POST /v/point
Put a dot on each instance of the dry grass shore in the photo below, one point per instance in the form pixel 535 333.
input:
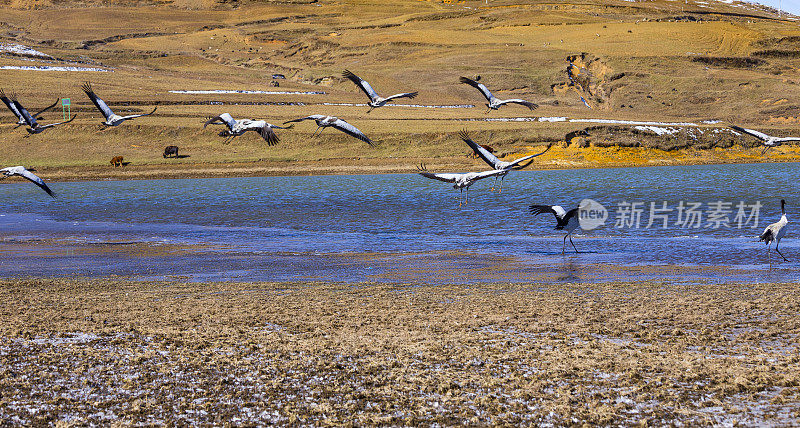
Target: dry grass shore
pixel 76 352
pixel 558 157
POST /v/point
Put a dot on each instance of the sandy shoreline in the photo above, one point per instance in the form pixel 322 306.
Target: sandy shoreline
pixel 105 351
pixel 133 261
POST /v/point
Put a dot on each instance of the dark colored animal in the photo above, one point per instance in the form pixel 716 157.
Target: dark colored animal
pixel 116 161
pixel 171 151
pixel 488 148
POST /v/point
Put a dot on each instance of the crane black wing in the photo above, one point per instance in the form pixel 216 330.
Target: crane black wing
pixel 480 86
pixel 37 181
pixel 487 157
pixel 100 104
pixel 361 83
pixel 30 120
pixel 47 108
pixel 352 131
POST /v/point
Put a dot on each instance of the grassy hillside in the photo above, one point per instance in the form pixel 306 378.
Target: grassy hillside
pixel 702 63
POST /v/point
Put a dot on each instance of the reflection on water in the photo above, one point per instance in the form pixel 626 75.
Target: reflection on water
pixel 398 227
pixel 570 271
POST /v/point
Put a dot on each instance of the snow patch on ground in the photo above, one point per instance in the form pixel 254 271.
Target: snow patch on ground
pixel 403 105
pixel 564 119
pixel 223 91
pixel 633 122
pixel 22 50
pixel 658 130
pixel 52 68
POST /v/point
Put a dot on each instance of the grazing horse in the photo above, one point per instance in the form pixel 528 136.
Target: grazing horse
pixel 116 161
pixel 171 151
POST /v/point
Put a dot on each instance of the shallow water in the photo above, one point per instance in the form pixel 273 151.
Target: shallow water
pixel 400 227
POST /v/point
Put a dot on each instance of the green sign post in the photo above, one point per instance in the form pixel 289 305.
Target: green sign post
pixel 66 114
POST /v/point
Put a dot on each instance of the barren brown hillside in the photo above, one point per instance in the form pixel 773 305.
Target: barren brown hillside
pixel 696 66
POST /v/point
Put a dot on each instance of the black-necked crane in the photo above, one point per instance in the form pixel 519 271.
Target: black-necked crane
pixel 20 119
pixel 375 100
pixel 21 171
pixel 494 102
pixel 496 163
pixel 775 232
pixel 565 220
pixel 767 140
pixel 332 121
pixel 239 127
pixel 33 126
pixel 460 181
pixel 112 119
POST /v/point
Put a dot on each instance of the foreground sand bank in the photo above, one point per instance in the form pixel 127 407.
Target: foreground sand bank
pixel 103 351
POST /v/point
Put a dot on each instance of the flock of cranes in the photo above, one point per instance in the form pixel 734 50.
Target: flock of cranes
pixel 25 118
pixel 565 220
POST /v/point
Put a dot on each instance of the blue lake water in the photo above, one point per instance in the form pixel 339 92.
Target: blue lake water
pixel 398 227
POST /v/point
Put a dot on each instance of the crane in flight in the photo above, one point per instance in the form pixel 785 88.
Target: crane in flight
pixel 767 140
pixel 112 119
pixel 494 102
pixel 336 123
pixel 33 125
pixel 496 163
pixel 20 119
pixel 26 173
pixel 461 181
pixel 375 100
pixel 239 127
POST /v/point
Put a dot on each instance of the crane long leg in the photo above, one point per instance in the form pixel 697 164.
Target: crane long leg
pixel 502 180
pixel 764 151
pixel 573 244
pixel 769 256
pixel 779 252
pixel 315 131
pixel 564 247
